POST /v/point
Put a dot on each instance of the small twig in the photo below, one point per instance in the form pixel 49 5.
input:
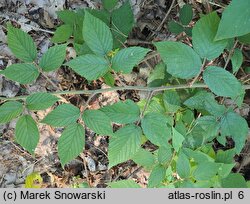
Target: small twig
pixel 230 54
pixel 51 82
pixel 23 151
pixel 165 18
pixel 201 70
pixel 85 167
pixel 134 172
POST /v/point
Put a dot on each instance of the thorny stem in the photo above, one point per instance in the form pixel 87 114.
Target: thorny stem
pixel 136 88
pixel 165 18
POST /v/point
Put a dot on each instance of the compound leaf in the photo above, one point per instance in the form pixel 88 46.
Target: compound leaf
pixel 232 124
pixel 21 44
pixel 181 60
pixel 235 180
pixel 186 14
pixel 98 121
pixel 22 73
pixel 156 129
pixel 156 176
pixel 122 112
pixel 97 35
pixel 122 23
pixel 221 82
pixel 62 33
pixel 71 143
pixel 89 66
pixel 204 32
pixel 109 4
pixel 53 58
pixel 27 134
pixel 63 115
pixel 183 166
pixel 177 139
pixel 237 60
pixel 144 158
pixel 127 58
pixel 124 144
pixel 175 27
pixel 206 170
pixel 235 20
pixel 10 110
pixel 40 101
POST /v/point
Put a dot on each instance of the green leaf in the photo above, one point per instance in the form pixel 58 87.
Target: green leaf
pixel 164 154
pixel 53 58
pixel 225 170
pixel 188 31
pixel 204 100
pixel 183 166
pixel 156 176
pixel 22 73
pixel 103 15
pixel 27 134
pixel 171 101
pixel 71 143
pixel 97 35
pixel 204 32
pixel 40 101
pixel 109 79
pixel 245 39
pixel 226 156
pixel 175 27
pixel 124 144
pixel 186 14
pixel 235 20
pixel 237 60
pixel 109 4
pixel 127 58
pixel 221 82
pixel 144 158
pixel 10 110
pixel 124 184
pixel 67 16
pixel 234 181
pixel 122 112
pixel 63 115
pixel 156 129
pixel 206 170
pixel 158 73
pixel 122 23
pixel 177 139
pixel 210 125
pixel 181 60
pixel 232 124
pixel 33 180
pixel 197 156
pixel 21 44
pixel 89 66
pixel 82 49
pixel 98 121
pixel 62 33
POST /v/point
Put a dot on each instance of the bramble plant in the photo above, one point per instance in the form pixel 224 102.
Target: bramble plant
pixel 184 155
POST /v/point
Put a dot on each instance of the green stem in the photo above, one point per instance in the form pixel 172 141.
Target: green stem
pixel 120 88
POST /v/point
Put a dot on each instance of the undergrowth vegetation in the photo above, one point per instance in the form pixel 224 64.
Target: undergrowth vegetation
pixel 183 115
